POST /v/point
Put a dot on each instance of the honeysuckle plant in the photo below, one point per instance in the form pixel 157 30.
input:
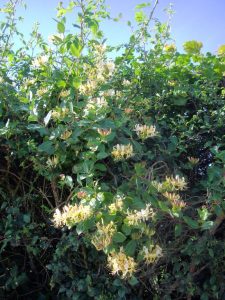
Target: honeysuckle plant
pixel 118 162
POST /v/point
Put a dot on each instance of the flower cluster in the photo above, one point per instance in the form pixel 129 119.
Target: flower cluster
pixel 102 71
pixel 170 48
pixel 121 152
pixel 193 160
pixel 121 264
pixel 170 184
pixel 151 254
pixel 59 113
pixel 144 131
pixel 103 236
pixel 64 94
pixel 40 61
pixel 104 132
pixel 42 92
pixel 53 161
pixel 117 205
pixel 65 135
pixel 71 215
pixel 175 200
pixel 221 51
pixel 136 217
pixel 175 183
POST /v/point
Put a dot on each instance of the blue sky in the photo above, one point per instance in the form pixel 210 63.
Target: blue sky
pixel 202 20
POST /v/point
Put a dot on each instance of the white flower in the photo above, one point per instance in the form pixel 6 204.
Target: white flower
pixel 40 61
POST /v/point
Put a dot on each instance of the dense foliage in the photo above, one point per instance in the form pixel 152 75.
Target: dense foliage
pixel 112 171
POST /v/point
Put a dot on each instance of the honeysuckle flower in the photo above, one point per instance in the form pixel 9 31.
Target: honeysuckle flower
pixel 136 217
pixel 121 152
pixel 110 67
pixel 60 113
pixel 170 48
pixel 193 160
pixel 103 236
pixel 121 264
pixel 81 195
pixel 104 132
pixel 117 205
pixel 175 200
pixel 175 183
pixel 221 50
pixel 65 135
pixel 71 215
pixel 144 131
pixel 42 91
pixel 53 161
pixel 40 61
pixel 192 47
pixel 126 82
pixel 64 94
pixel 151 254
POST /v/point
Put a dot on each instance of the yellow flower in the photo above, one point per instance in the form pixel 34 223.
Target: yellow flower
pixel 103 236
pixel 121 152
pixel 104 132
pixel 175 200
pixel 192 47
pixel 144 131
pixel 64 94
pixel 53 161
pixel 143 215
pixel 65 135
pixel 42 92
pixel 221 50
pixel 151 254
pixel 170 48
pixel 121 264
pixel 71 215
pixel 175 183
pixel 40 61
pixel 128 110
pixel 59 113
pixel 117 205
pixel 193 160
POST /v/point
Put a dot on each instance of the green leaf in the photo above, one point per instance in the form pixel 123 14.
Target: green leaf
pixel 130 247
pixel 133 281
pixel 26 218
pixel 119 237
pixel 163 206
pixel 180 101
pixel 139 16
pixel 76 48
pixel 142 5
pixel 47 147
pixel 178 230
pixel 126 229
pixel 207 225
pixel 61 83
pixel 61 27
pixel 190 222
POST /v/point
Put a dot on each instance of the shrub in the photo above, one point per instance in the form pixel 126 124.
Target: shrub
pixel 112 170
